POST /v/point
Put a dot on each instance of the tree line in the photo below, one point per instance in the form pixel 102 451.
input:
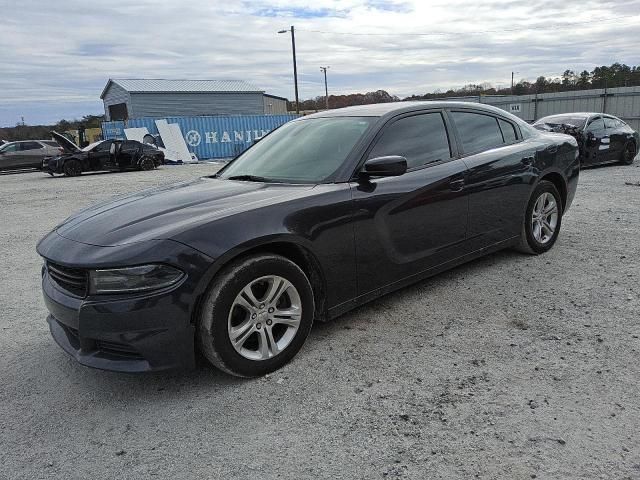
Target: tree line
pixel 43 132
pixel 615 75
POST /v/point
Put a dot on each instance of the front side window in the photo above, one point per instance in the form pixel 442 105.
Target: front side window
pixel 421 139
pixel 103 147
pixel 12 147
pixel 477 131
pixel 303 151
pixel 595 125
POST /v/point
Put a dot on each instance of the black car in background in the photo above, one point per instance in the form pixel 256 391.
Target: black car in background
pixel 602 138
pixel 325 213
pixel 118 155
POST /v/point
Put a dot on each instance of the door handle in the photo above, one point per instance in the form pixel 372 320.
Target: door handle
pixel 527 160
pixel 456 185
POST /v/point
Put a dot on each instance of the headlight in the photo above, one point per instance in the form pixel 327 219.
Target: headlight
pixel 133 279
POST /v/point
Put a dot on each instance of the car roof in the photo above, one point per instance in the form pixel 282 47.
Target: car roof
pixel 394 108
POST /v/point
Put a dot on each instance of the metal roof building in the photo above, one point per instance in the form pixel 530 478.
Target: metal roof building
pixel 136 98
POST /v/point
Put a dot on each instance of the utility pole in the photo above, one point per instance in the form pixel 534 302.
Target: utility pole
pixel 326 90
pixel 295 67
pixel 512 73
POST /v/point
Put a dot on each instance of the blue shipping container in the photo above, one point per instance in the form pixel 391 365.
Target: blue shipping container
pixel 208 137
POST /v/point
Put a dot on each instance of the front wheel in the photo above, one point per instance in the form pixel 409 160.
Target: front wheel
pixel 72 168
pixel 256 315
pixel 628 153
pixel 542 219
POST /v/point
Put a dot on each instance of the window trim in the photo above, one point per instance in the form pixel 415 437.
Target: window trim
pixel 447 125
pixel 495 116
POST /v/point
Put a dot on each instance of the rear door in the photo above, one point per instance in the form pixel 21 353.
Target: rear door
pixel 408 224
pixel 31 154
pixel 128 153
pixel 499 163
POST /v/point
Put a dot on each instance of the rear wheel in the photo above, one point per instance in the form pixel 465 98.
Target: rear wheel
pixel 628 153
pixel 256 315
pixel 542 219
pixel 72 168
pixel 146 163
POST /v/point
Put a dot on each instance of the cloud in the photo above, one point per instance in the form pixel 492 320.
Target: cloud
pixel 56 60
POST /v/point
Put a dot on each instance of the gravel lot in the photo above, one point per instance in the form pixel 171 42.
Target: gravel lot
pixel 509 367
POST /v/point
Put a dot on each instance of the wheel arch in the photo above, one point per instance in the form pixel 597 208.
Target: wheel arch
pixel 558 180
pixel 288 248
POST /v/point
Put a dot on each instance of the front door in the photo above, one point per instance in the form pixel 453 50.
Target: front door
pixel 597 144
pixel 10 156
pixel 408 224
pixel 101 155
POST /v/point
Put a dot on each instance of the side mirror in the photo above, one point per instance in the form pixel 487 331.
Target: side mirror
pixel 391 166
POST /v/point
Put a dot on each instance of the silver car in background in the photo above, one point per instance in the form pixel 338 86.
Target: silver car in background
pixel 27 153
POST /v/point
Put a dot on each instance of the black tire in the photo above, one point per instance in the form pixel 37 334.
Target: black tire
pixel 628 153
pixel 216 310
pixel 528 241
pixel 146 164
pixel 72 168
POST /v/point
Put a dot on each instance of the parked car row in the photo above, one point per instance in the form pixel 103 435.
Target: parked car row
pixel 117 155
pixel 62 156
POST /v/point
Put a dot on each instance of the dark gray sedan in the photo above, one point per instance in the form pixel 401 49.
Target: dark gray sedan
pixel 27 153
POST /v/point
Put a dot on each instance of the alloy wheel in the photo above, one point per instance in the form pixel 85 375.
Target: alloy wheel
pixel 544 218
pixel 264 318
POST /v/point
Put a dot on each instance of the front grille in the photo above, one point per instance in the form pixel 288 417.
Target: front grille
pixel 73 280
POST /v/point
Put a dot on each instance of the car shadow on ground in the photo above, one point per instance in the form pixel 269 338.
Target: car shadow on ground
pixel 207 379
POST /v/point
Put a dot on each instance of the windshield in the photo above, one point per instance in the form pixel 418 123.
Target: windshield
pixel 303 151
pixel 560 120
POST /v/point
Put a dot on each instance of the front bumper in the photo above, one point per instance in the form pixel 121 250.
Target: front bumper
pixel 127 333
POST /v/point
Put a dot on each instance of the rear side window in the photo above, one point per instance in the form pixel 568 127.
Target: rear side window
pixel 30 146
pixel 478 132
pixel 51 143
pixel 508 131
pixel 130 145
pixel 422 139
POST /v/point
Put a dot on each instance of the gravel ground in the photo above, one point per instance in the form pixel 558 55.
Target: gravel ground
pixel 511 366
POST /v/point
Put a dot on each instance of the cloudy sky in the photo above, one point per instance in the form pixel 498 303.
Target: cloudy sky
pixel 56 59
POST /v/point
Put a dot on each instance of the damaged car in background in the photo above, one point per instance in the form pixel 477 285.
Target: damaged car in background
pixel 115 155
pixel 601 138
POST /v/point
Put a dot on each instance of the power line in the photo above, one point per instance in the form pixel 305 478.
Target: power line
pixel 481 32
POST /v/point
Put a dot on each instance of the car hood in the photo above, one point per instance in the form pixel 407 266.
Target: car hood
pixel 66 144
pixel 165 212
